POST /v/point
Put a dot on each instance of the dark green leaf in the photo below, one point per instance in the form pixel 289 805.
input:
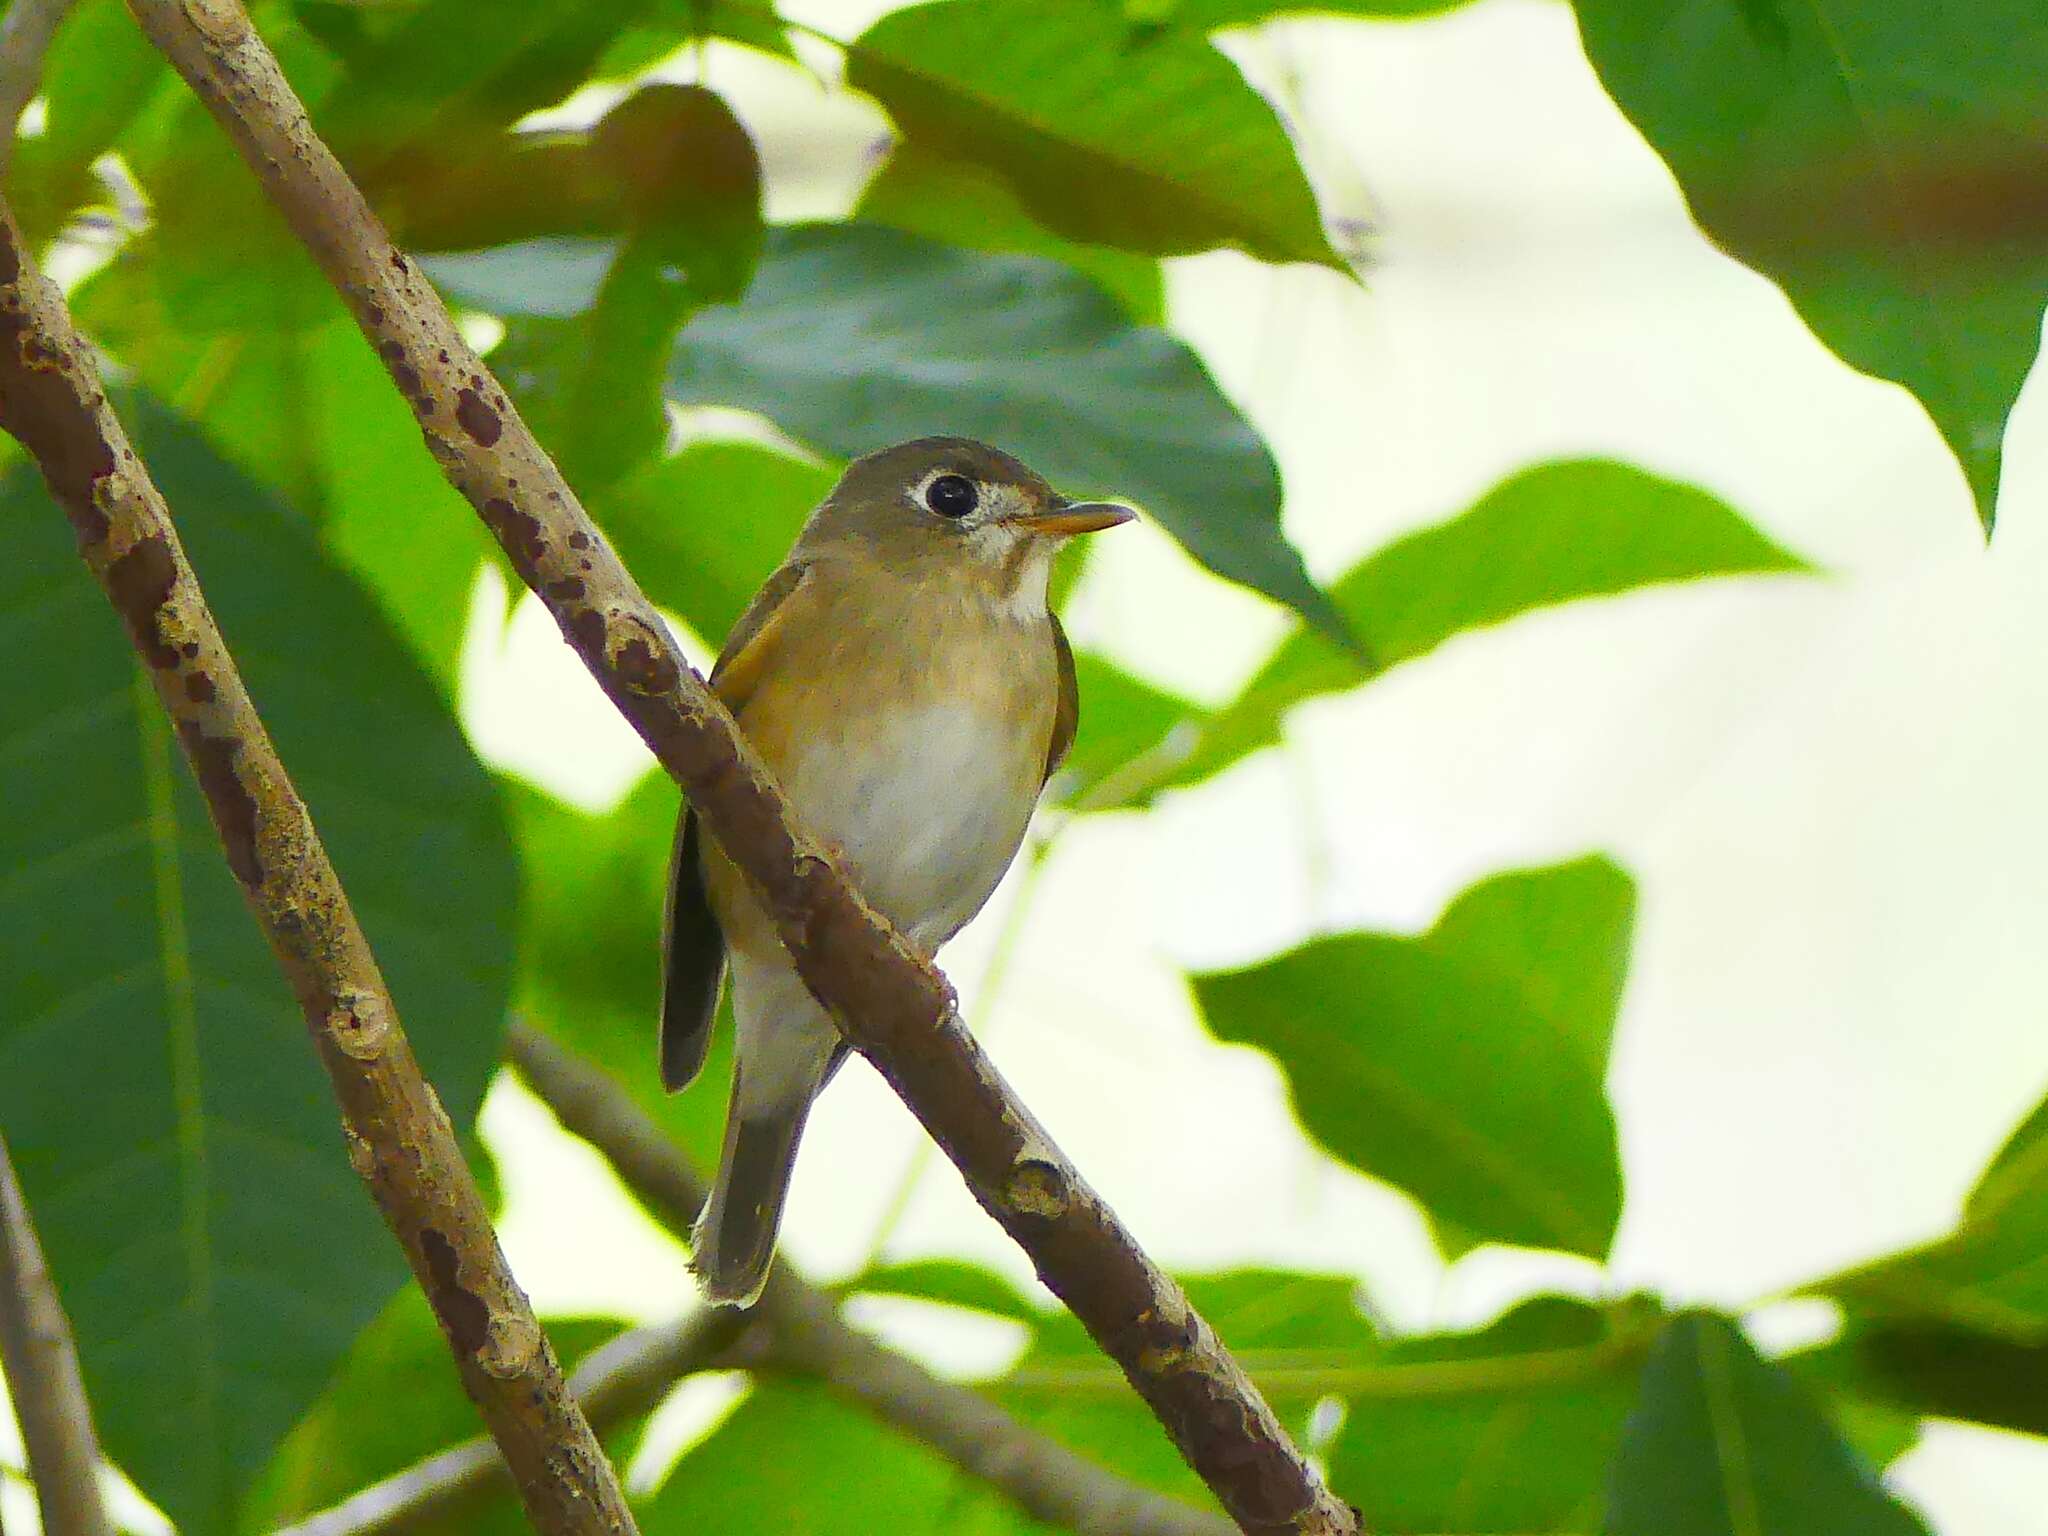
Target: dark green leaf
pixel 395 1401
pixel 855 337
pixel 965 204
pixel 216 1252
pixel 1880 162
pixel 1722 1443
pixel 1466 1065
pixel 1509 1429
pixel 313 414
pixel 795 1460
pixel 1931 1369
pixel 1552 534
pixel 1087 116
pixel 665 25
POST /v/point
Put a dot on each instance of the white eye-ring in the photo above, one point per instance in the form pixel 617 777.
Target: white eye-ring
pixel 951 496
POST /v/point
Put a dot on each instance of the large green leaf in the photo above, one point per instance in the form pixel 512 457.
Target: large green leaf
pixel 795 1460
pixel 854 337
pixel 1465 1065
pixel 1929 1368
pixel 171 1125
pixel 1108 131
pixel 1211 15
pixel 395 1402
pixel 312 414
pixel 1986 1276
pixel 1878 161
pixel 1722 1443
pixel 1555 533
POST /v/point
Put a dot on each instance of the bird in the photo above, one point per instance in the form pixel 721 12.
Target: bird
pixel 904 678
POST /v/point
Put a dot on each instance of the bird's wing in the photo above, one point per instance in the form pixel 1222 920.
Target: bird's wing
pixel 1066 713
pixel 692 947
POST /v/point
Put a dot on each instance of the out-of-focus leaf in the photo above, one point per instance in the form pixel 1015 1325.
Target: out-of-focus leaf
pixel 1109 132
pixel 1882 163
pixel 795 1460
pixel 1211 15
pixel 395 1401
pixel 854 337
pixel 590 949
pixel 1722 1443
pixel 592 387
pixel 949 1283
pixel 1509 1429
pixel 1123 719
pixel 1466 1065
pixel 1931 1369
pixel 312 414
pixel 665 25
pixel 703 529
pixel 216 1253
pixel 1552 534
pixel 962 203
pixel 99 73
pixel 1984 1277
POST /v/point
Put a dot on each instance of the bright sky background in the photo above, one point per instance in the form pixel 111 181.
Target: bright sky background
pixel 1828 790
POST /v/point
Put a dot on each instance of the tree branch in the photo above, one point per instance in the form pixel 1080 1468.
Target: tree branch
pixel 891 1002
pixel 25 35
pixel 805 1333
pixel 399 1139
pixel 42 1377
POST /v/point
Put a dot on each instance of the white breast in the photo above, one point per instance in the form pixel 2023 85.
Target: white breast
pixel 929 805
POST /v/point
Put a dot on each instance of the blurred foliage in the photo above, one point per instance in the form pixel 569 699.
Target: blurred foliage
pixel 248 1353
pixel 1395 1051
pixel 1883 163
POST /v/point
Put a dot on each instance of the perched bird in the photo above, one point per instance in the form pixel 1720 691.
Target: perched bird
pixel 909 687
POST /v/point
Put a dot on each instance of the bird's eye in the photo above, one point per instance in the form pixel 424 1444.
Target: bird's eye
pixel 951 496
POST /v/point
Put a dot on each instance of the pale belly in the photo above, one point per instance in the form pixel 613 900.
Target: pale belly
pixel 929 804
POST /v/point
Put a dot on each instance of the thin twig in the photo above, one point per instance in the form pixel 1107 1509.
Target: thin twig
pixel 805 1333
pixel 25 34
pixel 625 1378
pixel 893 1005
pixel 42 1377
pixel 398 1137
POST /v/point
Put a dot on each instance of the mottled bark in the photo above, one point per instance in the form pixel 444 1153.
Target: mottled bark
pixel 397 1136
pixel 893 1005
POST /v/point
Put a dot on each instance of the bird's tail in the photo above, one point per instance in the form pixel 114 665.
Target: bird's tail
pixel 734 1240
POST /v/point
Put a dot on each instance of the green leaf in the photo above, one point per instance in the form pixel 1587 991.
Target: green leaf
pixel 795 1460
pixel 1085 115
pixel 1465 1066
pixel 395 1401
pixel 854 337
pixel 1552 534
pixel 1722 1443
pixel 949 1283
pixel 957 201
pixel 1986 1276
pixel 1123 719
pixel 312 414
pixel 663 26
pixel 703 529
pixel 1877 162
pixel 590 949
pixel 215 1251
pixel 1509 1429
pixel 1931 1369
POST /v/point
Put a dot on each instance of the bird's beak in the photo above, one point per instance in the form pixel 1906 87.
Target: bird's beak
pixel 1073 517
